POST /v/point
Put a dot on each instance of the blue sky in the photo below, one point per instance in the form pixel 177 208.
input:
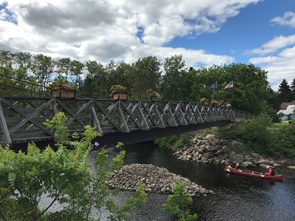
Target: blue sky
pixel 205 33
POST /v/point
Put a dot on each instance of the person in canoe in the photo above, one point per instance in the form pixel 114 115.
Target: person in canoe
pixel 237 166
pixel 270 171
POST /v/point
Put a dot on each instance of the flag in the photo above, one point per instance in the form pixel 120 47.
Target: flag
pixel 229 85
pixel 213 86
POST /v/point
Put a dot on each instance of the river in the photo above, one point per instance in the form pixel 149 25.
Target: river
pixel 236 198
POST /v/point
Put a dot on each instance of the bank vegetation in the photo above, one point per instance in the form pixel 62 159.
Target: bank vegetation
pixel 259 135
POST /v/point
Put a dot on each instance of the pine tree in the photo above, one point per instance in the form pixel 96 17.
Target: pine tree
pixel 284 92
pixel 292 87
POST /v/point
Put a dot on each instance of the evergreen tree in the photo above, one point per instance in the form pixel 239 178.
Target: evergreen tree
pixel 284 92
pixel 292 87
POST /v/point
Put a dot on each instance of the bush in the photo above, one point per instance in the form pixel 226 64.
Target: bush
pixel 256 133
pixel 174 142
pixel 178 203
pixel 64 176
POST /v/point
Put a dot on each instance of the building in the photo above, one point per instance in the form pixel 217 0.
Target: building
pixel 288 111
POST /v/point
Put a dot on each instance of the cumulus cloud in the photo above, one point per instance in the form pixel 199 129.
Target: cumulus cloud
pixel 126 30
pixel 114 30
pixel 287 20
pixel 274 45
pixel 279 67
pixel 280 64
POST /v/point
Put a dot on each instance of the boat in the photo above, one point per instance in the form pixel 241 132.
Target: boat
pixel 255 174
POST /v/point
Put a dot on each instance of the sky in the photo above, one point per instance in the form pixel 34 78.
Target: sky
pixel 204 32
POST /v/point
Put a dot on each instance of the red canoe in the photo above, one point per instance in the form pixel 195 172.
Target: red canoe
pixel 254 174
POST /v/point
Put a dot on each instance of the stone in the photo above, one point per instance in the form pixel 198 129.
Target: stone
pixel 265 161
pixel 159 179
pixel 247 164
pixel 210 149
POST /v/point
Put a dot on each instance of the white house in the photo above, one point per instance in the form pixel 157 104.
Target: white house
pixel 288 110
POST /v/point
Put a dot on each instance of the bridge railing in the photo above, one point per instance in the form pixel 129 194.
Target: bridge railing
pixel 22 118
pixel 243 115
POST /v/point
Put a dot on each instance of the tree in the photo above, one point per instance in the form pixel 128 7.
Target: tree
pixel 95 82
pixel 145 74
pixel 251 91
pixel 6 72
pixel 64 176
pixel 177 80
pixel 257 135
pixel 120 74
pixel 63 67
pixel 292 88
pixel 6 58
pixel 42 67
pixel 284 92
pixel 76 70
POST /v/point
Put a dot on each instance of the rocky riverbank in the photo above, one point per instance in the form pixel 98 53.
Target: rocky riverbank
pixel 155 180
pixel 207 148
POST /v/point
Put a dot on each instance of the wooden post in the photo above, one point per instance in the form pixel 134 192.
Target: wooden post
pixel 4 127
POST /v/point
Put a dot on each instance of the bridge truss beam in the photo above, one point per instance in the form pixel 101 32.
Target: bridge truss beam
pixel 21 119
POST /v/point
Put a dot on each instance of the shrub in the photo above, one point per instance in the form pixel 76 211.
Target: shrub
pixel 64 176
pixel 178 203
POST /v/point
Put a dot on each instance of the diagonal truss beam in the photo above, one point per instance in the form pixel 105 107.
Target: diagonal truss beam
pixel 106 116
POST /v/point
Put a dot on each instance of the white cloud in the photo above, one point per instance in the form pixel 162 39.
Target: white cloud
pixel 115 29
pixel 274 45
pixel 278 67
pixel 287 20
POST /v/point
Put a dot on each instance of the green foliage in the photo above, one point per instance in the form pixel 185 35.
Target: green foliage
pixel 173 142
pixel 285 139
pixel 284 92
pixel 145 74
pixel 64 176
pixel 177 82
pixel 57 125
pixel 256 131
pixel 178 204
pixel 261 136
pixel 29 175
pixel 251 90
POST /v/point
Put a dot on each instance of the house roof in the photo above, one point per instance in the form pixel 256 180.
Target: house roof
pixel 289 110
pixel 284 105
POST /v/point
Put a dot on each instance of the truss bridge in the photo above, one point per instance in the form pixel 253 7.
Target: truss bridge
pixel 21 118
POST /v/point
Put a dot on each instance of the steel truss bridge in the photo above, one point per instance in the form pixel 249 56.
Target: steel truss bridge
pixel 21 118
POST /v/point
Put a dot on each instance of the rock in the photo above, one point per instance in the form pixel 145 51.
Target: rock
pixel 256 156
pixel 247 164
pixel 156 179
pixel 236 157
pixel 210 149
pixel 218 152
pixel 264 165
pixel 265 161
pixel 276 165
pixel 291 167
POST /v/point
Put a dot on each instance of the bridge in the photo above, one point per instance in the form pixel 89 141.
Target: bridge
pixel 21 118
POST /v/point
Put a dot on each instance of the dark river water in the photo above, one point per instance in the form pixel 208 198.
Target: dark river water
pixel 236 198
